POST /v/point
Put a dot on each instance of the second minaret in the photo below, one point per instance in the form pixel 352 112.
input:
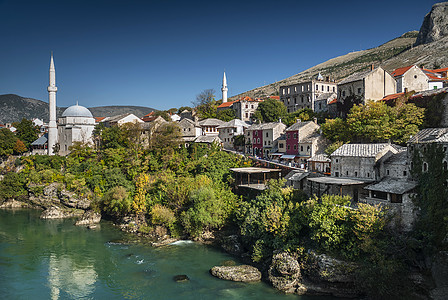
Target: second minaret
pixel 52 126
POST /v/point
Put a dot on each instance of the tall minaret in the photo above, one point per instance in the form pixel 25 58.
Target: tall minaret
pixel 224 88
pixel 52 127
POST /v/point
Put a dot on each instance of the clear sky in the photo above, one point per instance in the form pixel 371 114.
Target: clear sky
pixel 162 53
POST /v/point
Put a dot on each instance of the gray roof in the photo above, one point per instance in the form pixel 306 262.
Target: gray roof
pixel 298 125
pixel 398 158
pixel 40 141
pixel 116 118
pixel 252 170
pixel 211 122
pixel 207 139
pixel 326 96
pixel 392 185
pixel 361 150
pixel 320 158
pixel 262 126
pixel 338 180
pixel 77 111
pixel 430 135
pixel 234 123
pixel 296 175
pixel 430 93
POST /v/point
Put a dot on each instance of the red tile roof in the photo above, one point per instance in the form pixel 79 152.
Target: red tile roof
pixel 275 97
pixel 226 104
pixel 333 101
pixel 439 70
pixel 99 119
pixel 400 71
pixel 150 114
pixel 392 96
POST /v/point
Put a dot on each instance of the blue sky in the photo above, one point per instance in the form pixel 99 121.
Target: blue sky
pixel 161 54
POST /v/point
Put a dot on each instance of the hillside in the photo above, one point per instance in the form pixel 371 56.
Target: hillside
pixel 14 108
pixel 428 47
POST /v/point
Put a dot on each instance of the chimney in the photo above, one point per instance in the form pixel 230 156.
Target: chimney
pixel 372 67
pixel 279 120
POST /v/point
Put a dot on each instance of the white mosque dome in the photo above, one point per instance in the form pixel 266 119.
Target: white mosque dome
pixel 77 111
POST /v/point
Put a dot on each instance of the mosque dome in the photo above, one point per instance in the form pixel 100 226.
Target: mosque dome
pixel 77 111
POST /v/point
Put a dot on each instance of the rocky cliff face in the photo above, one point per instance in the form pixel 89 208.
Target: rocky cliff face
pixel 435 25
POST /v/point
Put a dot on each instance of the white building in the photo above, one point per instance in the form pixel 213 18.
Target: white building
pixel 75 125
pixel 229 130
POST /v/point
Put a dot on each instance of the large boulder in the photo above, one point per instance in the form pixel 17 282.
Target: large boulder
pixel 243 273
pixel 284 273
pixel 70 199
pixel 232 244
pixel 12 203
pixel 55 212
pixel 89 218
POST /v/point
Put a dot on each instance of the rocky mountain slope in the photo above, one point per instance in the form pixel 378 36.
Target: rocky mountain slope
pixel 14 108
pixel 428 47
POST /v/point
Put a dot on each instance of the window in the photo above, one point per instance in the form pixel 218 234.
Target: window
pixel 280 145
pixel 444 149
pixel 258 140
pixel 267 134
pixel 288 147
pixel 387 172
pixel 328 88
pixel 333 89
pixel 317 87
pixel 302 98
pixel 445 165
pixel 247 105
pixel 415 76
pixel 252 106
pixel 425 167
pixel 356 174
pixel 295 147
pixel 359 91
pixel 256 133
pixel 379 195
pixel 301 148
pixel 289 90
pixel 295 135
pixel 343 93
pixel 337 160
pixel 336 174
pixel 320 105
pixel 295 100
pixel 368 175
pixel 307 148
pixel 404 173
pixel 346 173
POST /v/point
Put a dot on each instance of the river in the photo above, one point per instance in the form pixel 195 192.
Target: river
pixel 53 259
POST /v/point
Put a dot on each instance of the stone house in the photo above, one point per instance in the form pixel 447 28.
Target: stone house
pixel 353 166
pixel 373 84
pixel 395 189
pixel 303 140
pixel 321 103
pixel 245 108
pixel 304 94
pixel 229 130
pixel 410 78
pixel 261 139
pixel 209 127
pixel 190 129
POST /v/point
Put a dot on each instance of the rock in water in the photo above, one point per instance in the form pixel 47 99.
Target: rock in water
pixel 55 212
pixel 284 273
pixel 181 278
pixel 89 218
pixel 242 273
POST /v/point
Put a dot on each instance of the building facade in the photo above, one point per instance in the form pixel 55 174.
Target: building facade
pixel 304 94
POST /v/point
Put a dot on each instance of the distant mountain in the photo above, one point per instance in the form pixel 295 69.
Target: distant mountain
pixel 428 47
pixel 14 108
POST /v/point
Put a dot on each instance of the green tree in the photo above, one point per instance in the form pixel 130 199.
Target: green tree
pixel 7 142
pixel 205 104
pixel 226 115
pixel 270 110
pixel 26 131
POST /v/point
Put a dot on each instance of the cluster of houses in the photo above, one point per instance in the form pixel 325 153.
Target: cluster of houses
pixel 370 173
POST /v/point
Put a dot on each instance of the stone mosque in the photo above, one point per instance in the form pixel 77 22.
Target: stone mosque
pixel 75 125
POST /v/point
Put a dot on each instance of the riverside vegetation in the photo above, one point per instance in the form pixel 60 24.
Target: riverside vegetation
pixel 157 187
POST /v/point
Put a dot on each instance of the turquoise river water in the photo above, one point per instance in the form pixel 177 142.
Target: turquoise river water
pixel 53 259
